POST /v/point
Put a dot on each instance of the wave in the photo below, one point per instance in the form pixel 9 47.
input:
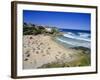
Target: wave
pixel 77 36
pixel 74 43
pixel 65 41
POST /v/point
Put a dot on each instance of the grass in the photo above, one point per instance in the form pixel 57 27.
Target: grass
pixel 83 60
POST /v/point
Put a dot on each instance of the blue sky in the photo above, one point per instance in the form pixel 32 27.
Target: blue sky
pixel 66 20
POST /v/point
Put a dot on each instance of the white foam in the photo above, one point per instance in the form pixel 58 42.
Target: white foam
pixel 74 43
pixel 82 36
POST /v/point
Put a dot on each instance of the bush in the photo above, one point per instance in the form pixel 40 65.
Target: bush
pixel 32 29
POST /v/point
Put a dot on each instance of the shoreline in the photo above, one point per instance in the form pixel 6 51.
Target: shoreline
pixel 71 42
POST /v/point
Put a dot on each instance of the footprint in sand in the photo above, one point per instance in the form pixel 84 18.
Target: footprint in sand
pixel 38 48
pixel 31 62
pixel 26 59
pixel 27 52
pixel 31 38
pixel 37 52
pixel 49 47
pixel 28 55
pixel 43 55
pixel 59 52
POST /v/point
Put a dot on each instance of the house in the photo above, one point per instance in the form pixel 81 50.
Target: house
pixel 48 29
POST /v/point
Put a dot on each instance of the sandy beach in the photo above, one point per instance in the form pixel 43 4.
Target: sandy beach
pixel 41 49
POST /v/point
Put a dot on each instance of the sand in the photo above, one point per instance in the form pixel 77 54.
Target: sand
pixel 41 49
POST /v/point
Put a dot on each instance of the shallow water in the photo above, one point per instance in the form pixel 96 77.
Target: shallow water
pixel 72 42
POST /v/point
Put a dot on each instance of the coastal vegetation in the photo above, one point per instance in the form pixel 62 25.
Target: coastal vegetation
pixel 82 60
pixel 33 29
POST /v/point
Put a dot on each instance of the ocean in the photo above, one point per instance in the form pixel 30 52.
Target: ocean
pixel 75 38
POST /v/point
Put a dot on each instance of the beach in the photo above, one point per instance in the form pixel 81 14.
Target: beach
pixel 39 50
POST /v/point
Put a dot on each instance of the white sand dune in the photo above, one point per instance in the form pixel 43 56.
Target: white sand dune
pixel 41 49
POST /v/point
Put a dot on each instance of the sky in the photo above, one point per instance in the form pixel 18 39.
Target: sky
pixel 65 20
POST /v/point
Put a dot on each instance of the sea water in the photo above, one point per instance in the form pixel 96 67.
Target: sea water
pixel 74 38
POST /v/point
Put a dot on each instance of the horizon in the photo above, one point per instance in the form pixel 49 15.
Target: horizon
pixel 61 20
pixel 56 27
